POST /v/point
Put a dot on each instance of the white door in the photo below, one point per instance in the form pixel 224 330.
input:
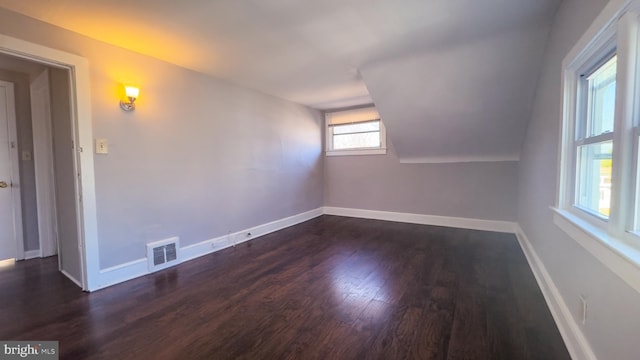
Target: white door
pixel 43 163
pixel 69 255
pixel 10 219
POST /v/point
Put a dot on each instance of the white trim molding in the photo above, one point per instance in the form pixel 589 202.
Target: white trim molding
pixel 121 273
pixel 455 222
pixel 459 159
pixel 575 341
pixel 233 239
pixel 136 268
pixel 376 151
pixel 621 258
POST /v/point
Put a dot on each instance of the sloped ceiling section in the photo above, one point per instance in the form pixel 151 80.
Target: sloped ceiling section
pixel 451 78
pixel 469 102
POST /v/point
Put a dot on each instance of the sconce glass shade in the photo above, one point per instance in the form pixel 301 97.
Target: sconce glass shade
pixel 132 91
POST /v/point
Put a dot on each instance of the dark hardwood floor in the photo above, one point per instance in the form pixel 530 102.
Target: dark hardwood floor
pixel 330 288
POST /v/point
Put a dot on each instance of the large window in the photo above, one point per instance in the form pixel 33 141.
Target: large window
pixel 593 146
pixel 355 132
pixel 599 179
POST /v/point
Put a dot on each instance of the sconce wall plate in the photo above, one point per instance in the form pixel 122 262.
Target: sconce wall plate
pixel 128 106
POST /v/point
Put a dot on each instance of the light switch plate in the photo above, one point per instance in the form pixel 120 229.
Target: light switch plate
pixel 102 146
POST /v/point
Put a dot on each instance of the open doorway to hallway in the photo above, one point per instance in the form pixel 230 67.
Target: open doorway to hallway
pixel 38 163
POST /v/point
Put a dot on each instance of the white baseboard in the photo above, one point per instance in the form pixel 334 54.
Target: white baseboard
pixel 133 269
pixel 222 242
pixel 573 337
pixel 459 159
pixel 32 254
pixel 456 222
pixel 123 272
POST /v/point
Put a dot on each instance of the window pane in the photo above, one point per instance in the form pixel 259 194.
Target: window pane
pixel 594 177
pixel 354 141
pixel 602 98
pixel 353 128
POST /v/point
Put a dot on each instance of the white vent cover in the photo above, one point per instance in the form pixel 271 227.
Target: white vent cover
pixel 164 253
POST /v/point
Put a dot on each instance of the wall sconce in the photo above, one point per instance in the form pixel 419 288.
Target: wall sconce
pixel 132 94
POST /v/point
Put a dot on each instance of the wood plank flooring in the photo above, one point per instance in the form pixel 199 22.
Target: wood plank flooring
pixel 330 288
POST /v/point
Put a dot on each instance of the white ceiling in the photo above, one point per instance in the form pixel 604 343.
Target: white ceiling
pixel 439 56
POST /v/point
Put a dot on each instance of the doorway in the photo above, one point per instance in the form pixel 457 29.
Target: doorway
pixel 46 167
pixel 53 158
pixel 80 99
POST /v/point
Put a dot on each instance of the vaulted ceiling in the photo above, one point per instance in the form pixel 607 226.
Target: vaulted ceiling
pixel 452 79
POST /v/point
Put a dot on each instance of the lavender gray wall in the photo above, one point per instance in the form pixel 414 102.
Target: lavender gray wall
pixel 380 182
pixel 614 311
pixel 199 158
pixel 25 143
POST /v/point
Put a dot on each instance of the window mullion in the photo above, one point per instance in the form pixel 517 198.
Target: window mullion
pixel 358 132
pixel 608 136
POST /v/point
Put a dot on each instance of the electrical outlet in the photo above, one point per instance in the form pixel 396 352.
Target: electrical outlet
pixel 583 309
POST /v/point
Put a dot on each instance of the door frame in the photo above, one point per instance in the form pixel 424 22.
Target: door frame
pixel 81 121
pixel 16 199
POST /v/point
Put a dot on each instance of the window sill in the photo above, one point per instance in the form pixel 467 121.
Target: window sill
pixel 615 253
pixel 357 152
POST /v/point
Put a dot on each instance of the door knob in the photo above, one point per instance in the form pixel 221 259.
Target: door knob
pixel 3 184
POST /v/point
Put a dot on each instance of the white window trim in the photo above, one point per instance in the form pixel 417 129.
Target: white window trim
pixel 608 240
pixel 617 254
pixel 356 151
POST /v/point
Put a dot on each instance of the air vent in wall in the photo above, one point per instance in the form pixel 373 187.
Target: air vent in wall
pixel 162 254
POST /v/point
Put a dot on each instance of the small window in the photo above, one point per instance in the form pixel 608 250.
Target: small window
pixel 355 132
pixel 357 136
